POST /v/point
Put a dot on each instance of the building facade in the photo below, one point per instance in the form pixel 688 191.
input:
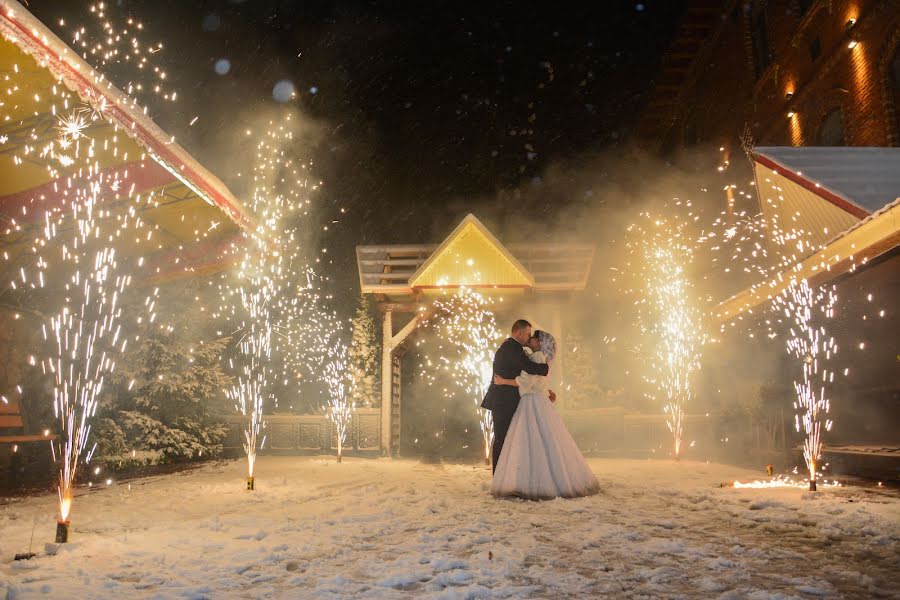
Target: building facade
pixel 778 73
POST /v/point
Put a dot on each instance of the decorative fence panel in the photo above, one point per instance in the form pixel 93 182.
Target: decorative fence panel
pixel 286 434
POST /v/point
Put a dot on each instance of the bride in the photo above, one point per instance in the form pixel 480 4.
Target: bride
pixel 539 459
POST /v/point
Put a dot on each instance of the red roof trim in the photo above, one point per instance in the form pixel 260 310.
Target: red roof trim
pixel 481 287
pixel 839 201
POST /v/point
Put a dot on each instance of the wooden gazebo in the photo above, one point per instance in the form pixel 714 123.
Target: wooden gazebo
pixel 532 279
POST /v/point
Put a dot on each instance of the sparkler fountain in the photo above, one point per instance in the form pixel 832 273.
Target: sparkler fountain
pixel 777 244
pixel 810 344
pixel 466 319
pixel 85 333
pixel 280 304
pixel 74 264
pixel 668 314
pixel 259 277
pixel 78 247
pixel 338 409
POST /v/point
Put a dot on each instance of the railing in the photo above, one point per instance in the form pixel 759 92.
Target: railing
pixel 310 433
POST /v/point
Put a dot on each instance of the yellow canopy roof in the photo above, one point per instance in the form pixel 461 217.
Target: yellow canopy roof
pixel 471 257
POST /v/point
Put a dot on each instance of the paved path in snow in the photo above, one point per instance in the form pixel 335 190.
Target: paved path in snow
pixel 397 529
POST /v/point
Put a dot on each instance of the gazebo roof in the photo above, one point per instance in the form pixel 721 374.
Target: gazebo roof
pixel 846 199
pixel 472 256
pixel 193 208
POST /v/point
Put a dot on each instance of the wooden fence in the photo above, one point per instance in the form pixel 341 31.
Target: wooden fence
pixel 289 434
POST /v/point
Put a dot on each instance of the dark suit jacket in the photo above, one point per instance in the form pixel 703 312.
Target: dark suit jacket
pixel 509 362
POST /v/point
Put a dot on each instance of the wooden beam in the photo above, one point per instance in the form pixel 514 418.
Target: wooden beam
pixel 393 262
pixel 386 289
pixel 387 335
pixel 403 307
pixel 407 329
pixel 402 276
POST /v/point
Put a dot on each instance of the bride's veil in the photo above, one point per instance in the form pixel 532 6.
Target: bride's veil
pixel 548 344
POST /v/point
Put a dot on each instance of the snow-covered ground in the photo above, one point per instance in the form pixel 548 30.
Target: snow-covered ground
pixel 396 529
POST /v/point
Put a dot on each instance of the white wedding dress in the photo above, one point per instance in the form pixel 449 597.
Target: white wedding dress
pixel 540 460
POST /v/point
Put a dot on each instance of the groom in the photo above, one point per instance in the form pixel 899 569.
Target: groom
pixel 503 400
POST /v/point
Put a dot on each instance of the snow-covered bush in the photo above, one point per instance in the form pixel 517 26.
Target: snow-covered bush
pixel 362 358
pixel 168 398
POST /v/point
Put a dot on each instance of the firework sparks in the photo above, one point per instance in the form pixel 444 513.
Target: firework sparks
pixel 780 481
pixel 274 302
pixel 75 251
pixel 810 344
pixel 776 246
pixel 338 408
pixel 466 318
pixel 669 315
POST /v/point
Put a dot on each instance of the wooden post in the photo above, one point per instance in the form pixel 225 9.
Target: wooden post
pixel 387 336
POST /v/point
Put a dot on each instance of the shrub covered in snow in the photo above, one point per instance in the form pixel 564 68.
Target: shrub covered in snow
pixel 362 357
pixel 167 399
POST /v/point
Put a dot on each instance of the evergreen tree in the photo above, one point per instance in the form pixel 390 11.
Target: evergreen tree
pixel 362 357
pixel 176 398
pixel 167 394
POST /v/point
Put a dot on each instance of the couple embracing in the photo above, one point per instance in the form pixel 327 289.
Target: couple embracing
pixel 534 455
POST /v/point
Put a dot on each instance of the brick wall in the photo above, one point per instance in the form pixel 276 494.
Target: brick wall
pixel 725 93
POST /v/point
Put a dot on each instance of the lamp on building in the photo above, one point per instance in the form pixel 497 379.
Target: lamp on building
pixel 789 96
pixel 791 114
pixel 851 33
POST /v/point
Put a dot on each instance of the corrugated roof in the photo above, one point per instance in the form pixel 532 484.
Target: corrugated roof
pixel 795 207
pixel 867 177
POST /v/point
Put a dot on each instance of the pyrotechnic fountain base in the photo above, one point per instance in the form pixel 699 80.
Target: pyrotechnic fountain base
pixel 62 532
pixel 251 484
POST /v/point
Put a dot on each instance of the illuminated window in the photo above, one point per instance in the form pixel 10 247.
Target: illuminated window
pixel 831 133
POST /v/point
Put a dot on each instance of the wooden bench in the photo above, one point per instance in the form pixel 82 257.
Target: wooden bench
pixel 11 421
pixel 11 435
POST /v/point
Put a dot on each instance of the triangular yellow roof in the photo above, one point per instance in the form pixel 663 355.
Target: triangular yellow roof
pixel 471 257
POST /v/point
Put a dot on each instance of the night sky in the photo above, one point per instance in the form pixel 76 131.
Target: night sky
pixel 420 112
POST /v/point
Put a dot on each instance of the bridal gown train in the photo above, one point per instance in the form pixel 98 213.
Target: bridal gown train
pixel 540 460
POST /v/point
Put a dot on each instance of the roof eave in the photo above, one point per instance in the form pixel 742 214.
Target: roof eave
pixel 859 244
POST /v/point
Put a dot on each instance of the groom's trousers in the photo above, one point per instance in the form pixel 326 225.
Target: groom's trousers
pixel 502 414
